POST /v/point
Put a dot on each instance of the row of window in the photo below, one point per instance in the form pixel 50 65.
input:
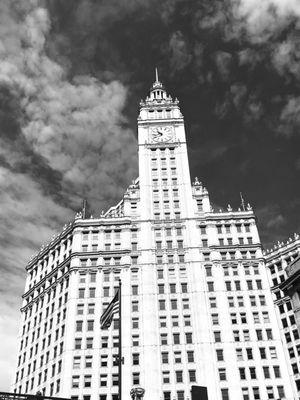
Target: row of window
pixel 238 301
pixel 241 318
pixel 54 387
pixel 52 257
pixel 44 359
pixel 236 285
pixel 177 338
pixel 233 269
pixel 227 228
pixel 174 304
pixel 272 393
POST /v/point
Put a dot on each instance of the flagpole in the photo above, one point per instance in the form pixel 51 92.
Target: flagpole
pixel 120 341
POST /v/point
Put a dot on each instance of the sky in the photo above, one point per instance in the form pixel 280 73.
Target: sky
pixel 72 74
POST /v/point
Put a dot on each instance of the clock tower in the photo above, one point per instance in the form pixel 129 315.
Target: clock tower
pixel 163 161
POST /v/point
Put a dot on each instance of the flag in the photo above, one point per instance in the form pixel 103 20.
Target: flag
pixel 112 309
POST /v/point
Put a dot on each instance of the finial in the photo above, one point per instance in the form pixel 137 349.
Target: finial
pixel 242 202
pixel 156 75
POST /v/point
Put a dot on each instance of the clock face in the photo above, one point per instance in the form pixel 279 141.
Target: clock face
pixel 162 133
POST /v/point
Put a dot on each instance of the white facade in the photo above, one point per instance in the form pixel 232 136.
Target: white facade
pixel 196 301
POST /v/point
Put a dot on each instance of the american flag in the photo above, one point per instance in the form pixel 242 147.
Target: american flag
pixel 112 309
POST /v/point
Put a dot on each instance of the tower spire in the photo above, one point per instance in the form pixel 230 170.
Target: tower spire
pixel 156 75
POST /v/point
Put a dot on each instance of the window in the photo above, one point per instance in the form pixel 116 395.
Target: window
pixel 242 372
pixel 190 356
pixel 90 325
pixel 135 323
pixel 253 301
pixel 80 308
pixel 179 377
pixel 252 372
pixel 262 352
pixel 184 287
pixel 266 372
pixel 81 293
pixel 258 284
pixel 192 375
pixel 281 393
pixel 79 326
pixel 189 338
pixel 91 308
pixel 176 338
pixel 273 352
pixel 167 395
pixel 217 336
pixel 135 359
pixel 87 380
pixel 187 320
pixel 277 372
pixel 185 304
pixel 134 289
pixel 245 393
pixel 88 361
pixel 269 334
pixel 104 342
pixel 256 317
pixel 104 358
pixel 103 380
pixel 136 378
pixel 163 339
pixel 239 354
pixel 208 271
pixel 173 304
pixel 225 394
pixel 210 286
pixel 135 306
pixel 249 285
pixel 262 300
pixel 78 342
pixel 236 336
pixel 215 319
pixel 162 305
pixel 220 356
pixel 266 317
pixel 213 302
pixel 166 376
pixel 249 354
pixel 259 334
pixel 89 343
pixel 135 340
pixel 76 362
pixel 161 289
pixel 222 374
pixel 165 358
pixel 270 392
pixel 75 381
pixel 177 357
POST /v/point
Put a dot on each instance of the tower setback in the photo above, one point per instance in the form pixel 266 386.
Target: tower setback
pixel 197 307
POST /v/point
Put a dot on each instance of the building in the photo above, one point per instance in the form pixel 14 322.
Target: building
pixel 196 301
pixel 283 265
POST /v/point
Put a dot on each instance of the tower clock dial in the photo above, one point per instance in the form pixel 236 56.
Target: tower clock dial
pixel 162 133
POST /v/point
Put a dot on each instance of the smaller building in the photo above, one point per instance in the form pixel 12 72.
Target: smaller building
pixel 283 264
pixel 291 287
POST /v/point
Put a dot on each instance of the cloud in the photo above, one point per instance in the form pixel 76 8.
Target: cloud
pixel 58 137
pixel 290 118
pixel 262 19
pixel 180 53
